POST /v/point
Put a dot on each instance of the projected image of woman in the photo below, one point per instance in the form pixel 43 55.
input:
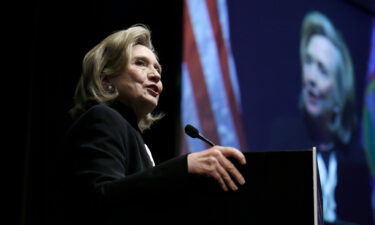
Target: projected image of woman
pixel 328 106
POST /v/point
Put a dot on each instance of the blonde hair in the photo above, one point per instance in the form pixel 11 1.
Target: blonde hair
pixel 315 23
pixel 107 60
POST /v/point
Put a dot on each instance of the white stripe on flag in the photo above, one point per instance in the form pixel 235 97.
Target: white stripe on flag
pixel 209 58
pixel 189 110
pixel 224 23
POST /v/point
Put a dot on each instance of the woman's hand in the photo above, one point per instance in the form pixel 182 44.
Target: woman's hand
pixel 213 162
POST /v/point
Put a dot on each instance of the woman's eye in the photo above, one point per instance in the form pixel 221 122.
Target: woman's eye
pixel 158 69
pixel 139 63
pixel 322 69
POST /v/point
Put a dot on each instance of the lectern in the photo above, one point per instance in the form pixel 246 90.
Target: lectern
pixel 282 187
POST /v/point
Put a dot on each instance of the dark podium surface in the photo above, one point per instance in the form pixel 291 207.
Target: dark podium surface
pixel 279 189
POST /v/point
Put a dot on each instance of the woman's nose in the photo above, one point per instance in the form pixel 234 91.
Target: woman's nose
pixel 310 75
pixel 154 76
pixel 311 82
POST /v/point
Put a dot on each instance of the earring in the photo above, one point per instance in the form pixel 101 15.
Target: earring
pixel 110 88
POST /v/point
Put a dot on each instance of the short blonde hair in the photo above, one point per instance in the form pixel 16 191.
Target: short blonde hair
pixel 107 60
pixel 315 23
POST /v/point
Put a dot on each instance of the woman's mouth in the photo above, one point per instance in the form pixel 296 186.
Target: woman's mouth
pixel 312 97
pixel 153 90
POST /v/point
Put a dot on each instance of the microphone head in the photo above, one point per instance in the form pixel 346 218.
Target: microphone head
pixel 191 131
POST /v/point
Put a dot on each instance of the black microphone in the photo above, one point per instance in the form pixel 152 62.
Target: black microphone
pixel 194 133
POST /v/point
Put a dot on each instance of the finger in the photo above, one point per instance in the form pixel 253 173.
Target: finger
pixel 235 153
pixel 233 171
pixel 219 179
pixel 227 178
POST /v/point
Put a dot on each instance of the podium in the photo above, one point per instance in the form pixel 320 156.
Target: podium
pixel 282 187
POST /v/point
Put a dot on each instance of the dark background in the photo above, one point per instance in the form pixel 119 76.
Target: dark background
pixel 45 44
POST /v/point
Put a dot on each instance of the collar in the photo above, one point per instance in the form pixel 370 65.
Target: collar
pixel 127 113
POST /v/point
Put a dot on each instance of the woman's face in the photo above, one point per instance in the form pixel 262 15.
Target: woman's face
pixel 140 85
pixel 319 68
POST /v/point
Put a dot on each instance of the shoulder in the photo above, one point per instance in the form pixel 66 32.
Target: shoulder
pixel 100 116
pixel 352 152
pixel 102 111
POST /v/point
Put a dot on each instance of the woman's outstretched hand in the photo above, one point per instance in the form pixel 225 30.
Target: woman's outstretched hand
pixel 214 162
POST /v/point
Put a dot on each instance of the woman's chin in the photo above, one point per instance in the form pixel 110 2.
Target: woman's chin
pixel 313 110
pixel 150 104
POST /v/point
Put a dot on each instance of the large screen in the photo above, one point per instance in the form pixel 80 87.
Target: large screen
pixel 287 75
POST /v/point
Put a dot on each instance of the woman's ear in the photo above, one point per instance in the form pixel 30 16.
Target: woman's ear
pixel 106 81
pixel 108 85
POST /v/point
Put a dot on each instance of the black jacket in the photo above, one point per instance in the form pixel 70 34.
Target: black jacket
pixel 107 175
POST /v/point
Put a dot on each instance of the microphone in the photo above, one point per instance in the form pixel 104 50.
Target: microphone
pixel 194 133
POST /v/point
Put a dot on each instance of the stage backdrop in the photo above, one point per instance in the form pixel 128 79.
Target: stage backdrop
pixel 286 75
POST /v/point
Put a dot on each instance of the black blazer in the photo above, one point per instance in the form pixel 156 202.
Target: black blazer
pixel 353 190
pixel 107 174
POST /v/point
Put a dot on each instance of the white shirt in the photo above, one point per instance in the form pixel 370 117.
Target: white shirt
pixel 149 155
pixel 328 180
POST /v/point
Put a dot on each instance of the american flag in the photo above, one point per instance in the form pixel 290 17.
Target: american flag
pixel 211 98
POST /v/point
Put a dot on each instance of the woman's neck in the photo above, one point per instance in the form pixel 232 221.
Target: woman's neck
pixel 321 133
pixel 326 146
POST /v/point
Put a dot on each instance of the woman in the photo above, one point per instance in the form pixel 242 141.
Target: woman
pixel 327 103
pixel 110 170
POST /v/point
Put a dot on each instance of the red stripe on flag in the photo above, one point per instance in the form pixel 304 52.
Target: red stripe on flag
pixel 223 55
pixel 191 57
